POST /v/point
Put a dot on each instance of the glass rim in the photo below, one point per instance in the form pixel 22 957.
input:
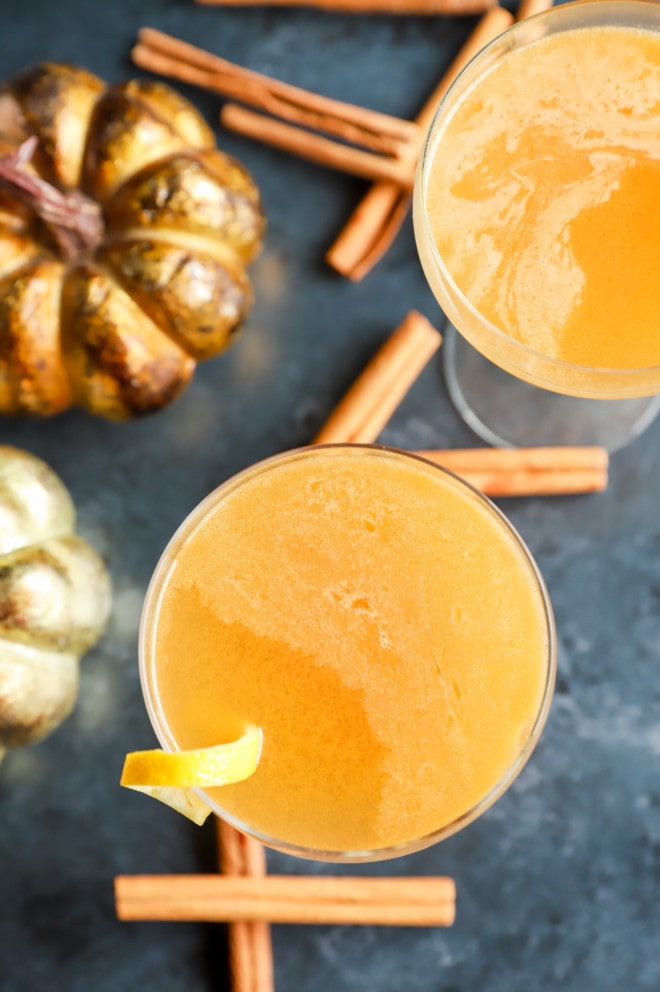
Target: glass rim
pixel 151 609
pixel 576 15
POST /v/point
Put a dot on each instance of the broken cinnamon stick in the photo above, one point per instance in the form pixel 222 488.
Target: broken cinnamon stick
pixel 372 399
pixel 250 945
pixel 374 224
pixel 528 471
pixel 308 899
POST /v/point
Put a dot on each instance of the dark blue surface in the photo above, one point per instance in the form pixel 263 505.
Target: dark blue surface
pixel 558 883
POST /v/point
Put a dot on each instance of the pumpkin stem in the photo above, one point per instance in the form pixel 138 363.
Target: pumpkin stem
pixel 74 220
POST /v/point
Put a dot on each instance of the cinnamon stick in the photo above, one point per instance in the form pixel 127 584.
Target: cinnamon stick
pixel 320 899
pixel 313 147
pixel 527 8
pixel 169 56
pixel 250 946
pixel 370 402
pixel 528 471
pixel 416 7
pixel 374 224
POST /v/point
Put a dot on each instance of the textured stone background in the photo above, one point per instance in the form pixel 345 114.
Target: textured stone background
pixel 558 883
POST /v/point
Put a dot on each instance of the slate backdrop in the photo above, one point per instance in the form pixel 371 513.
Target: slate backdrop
pixel 558 883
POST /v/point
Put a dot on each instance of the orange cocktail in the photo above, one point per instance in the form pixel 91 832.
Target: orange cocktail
pixel 379 620
pixel 538 201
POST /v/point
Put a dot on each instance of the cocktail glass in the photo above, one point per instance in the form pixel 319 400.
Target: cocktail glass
pixel 493 372
pixel 382 622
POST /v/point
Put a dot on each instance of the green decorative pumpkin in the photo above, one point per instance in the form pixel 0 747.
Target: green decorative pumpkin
pixel 55 598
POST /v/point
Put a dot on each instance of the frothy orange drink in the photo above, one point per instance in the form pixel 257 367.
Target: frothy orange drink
pixel 383 625
pixel 543 200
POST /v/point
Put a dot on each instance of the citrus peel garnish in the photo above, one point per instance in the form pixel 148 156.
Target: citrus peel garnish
pixel 172 776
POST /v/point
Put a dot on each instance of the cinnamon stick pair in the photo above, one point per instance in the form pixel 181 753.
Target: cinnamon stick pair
pixel 371 145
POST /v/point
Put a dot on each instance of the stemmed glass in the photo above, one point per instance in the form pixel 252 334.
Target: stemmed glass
pixel 551 128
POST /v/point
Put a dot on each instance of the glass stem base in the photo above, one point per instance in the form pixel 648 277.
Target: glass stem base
pixel 507 412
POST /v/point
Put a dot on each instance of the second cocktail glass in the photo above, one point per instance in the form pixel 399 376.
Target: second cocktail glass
pixel 537 207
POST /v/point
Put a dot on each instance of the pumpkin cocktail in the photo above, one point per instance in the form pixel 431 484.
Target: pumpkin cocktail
pixel 382 624
pixel 538 201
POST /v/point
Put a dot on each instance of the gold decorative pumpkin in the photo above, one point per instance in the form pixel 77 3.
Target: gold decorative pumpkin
pixel 54 599
pixel 124 240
